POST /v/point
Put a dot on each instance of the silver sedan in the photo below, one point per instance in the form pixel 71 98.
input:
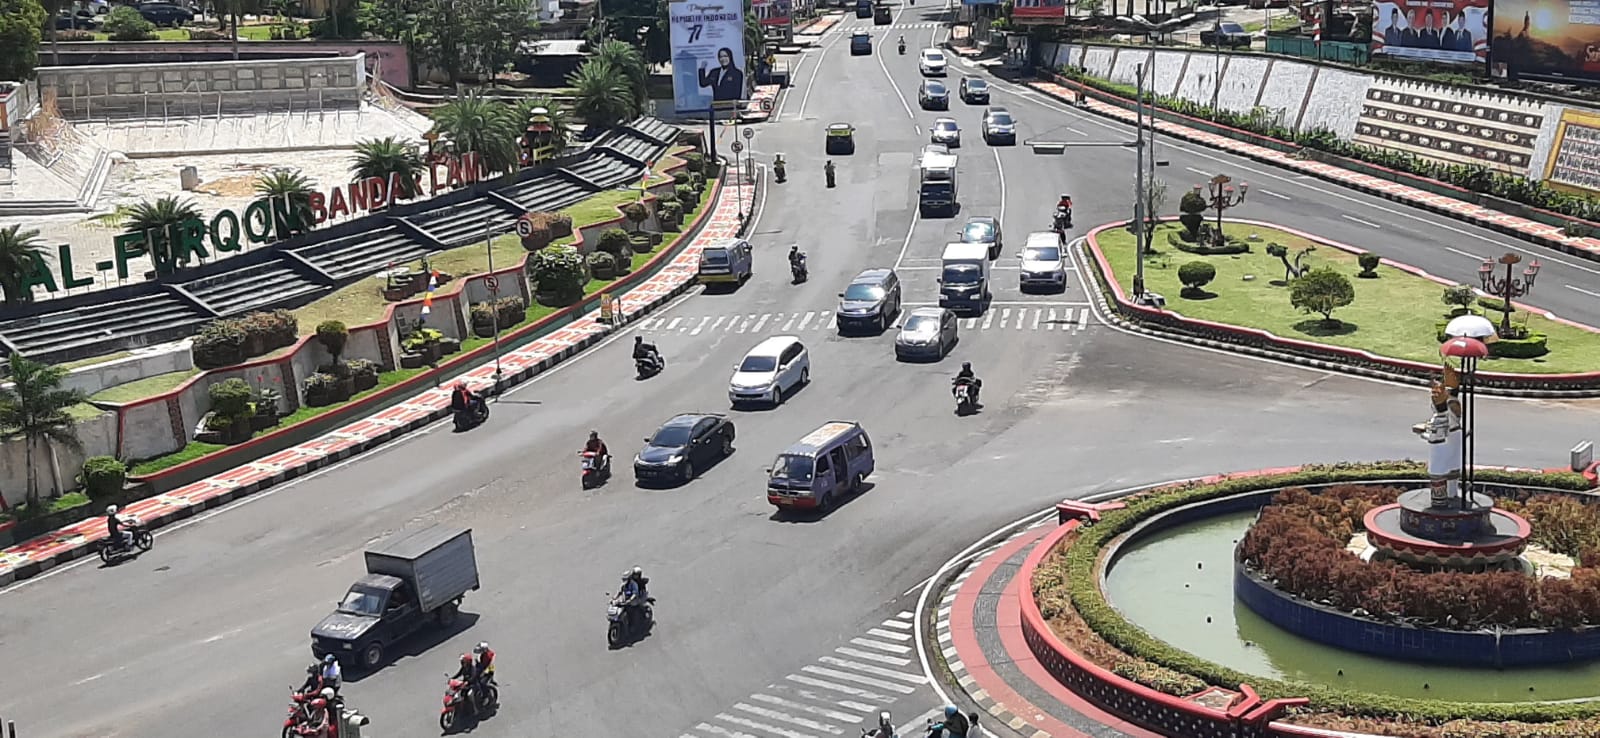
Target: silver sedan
pixel 927 333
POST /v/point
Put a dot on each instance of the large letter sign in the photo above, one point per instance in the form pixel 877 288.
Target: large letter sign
pixel 707 51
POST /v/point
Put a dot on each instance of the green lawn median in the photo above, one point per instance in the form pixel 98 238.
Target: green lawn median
pixel 1395 314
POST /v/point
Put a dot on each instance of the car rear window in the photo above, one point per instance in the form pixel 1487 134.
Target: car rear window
pixel 977 233
pixel 715 257
pixel 1000 119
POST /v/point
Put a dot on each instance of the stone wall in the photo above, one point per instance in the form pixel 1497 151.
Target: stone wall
pixel 205 88
pixel 16 101
pixel 1505 131
pixel 96 435
pixel 386 60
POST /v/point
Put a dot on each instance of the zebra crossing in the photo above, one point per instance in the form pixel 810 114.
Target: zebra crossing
pixel 1056 318
pixel 838 694
pixel 902 26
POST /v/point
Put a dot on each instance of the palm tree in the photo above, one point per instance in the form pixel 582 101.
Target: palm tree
pixel 35 407
pixel 560 117
pixel 20 253
pixel 601 93
pixel 479 124
pixel 625 58
pixel 287 186
pixel 384 157
pixel 755 41
pixel 160 216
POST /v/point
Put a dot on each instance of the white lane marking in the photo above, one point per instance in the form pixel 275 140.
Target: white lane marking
pixel 814 75
pixel 1083 318
pixel 824 318
pixel 809 315
pixel 896 87
pixel 1469 255
pixel 830 714
pixel 1050 326
pixel 901 624
pixel 840 688
pixel 1580 289
pixel 967 323
pixel 772 729
pixel 988 319
pixel 1002 172
pixel 1005 315
pixel 1196 171
pixel 905 615
pixel 848 677
pixel 761 322
pixel 701 326
pixel 880 645
pixel 878 657
pixel 719 730
pixel 1037 316
pixel 916 215
pixel 674 323
pixel 720 318
pixel 787 324
pixel 1358 220
pixel 891 635
pixel 1080 133
pixel 1270 193
pixel 823 698
pixel 787 718
pixel 873 670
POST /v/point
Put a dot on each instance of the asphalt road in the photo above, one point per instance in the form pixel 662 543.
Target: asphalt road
pixel 203 635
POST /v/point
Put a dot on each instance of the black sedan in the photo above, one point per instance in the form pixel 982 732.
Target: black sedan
pixel 683 444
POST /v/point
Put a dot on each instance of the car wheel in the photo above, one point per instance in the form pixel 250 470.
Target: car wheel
pixel 727 446
pixel 777 395
pixel 372 655
pixel 856 483
pixel 686 472
pixel 805 377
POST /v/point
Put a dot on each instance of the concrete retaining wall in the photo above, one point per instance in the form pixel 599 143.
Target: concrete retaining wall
pixel 386 60
pixel 16 101
pixel 97 437
pixel 205 88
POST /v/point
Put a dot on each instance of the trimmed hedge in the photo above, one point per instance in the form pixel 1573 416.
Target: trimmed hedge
pixel 1082 557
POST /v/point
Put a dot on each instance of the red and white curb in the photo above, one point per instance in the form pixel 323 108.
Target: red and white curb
pixel 33 557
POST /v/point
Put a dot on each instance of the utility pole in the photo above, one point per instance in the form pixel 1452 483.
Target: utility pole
pixel 1138 191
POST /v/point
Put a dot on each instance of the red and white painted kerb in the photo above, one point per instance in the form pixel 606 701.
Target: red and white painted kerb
pixel 33 557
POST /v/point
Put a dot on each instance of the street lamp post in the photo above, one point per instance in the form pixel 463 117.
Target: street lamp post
pixel 1508 287
pixel 1223 196
pixel 433 183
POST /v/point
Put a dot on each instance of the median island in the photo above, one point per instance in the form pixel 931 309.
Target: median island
pixel 1303 288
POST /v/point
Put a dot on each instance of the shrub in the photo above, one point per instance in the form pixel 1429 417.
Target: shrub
pixel 1206 246
pixel 509 311
pixel 126 24
pixel 231 398
pixel 1321 291
pixel 559 273
pixel 1369 265
pixel 319 389
pixel 267 330
pixel 333 336
pixel 614 241
pixel 695 161
pixel 74 35
pixel 1193 208
pixel 1461 296
pixel 541 231
pixel 103 476
pixel 220 343
pixel 560 225
pixel 361 368
pixel 1530 346
pixel 483 313
pixel 421 338
pixel 1195 275
pixel 680 177
pixel 636 213
pixel 603 265
pixel 201 34
pixel 687 196
pixel 670 196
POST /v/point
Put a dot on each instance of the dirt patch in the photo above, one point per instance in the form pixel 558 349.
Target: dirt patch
pixel 236 186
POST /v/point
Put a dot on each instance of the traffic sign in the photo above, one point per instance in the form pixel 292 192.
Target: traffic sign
pixel 524 227
pixel 749 133
pixel 737 147
pixel 766 106
pixel 492 283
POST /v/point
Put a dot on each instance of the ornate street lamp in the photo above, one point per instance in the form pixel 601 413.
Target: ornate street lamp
pixel 1223 196
pixel 1508 287
pixel 1466 343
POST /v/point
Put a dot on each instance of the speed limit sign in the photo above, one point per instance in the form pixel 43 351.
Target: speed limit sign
pixel 524 227
pixel 492 283
pixel 749 134
pixel 737 147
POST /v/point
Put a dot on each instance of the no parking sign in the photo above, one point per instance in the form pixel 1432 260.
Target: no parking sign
pixel 524 227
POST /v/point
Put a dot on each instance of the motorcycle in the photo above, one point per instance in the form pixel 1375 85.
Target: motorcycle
pixel 112 549
pixel 1062 222
pixel 902 48
pixel 595 469
pixel 828 172
pixel 779 170
pixel 299 723
pixel 797 269
pixel 473 416
pixel 455 700
pixel 936 730
pixel 966 403
pixel 649 366
pixel 622 628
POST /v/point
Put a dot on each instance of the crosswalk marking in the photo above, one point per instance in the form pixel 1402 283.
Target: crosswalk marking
pixel 868 655
pixel 840 688
pixel 773 729
pixel 987 319
pixel 997 318
pixel 824 712
pixel 787 718
pixel 849 677
pixel 875 670
pixel 901 624
pixel 699 327
pixel 891 635
pixel 880 645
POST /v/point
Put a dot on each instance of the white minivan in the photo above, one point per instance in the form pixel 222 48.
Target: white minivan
pixel 773 369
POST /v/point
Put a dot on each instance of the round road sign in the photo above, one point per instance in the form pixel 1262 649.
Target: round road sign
pixel 737 147
pixel 749 134
pixel 492 283
pixel 766 105
pixel 524 228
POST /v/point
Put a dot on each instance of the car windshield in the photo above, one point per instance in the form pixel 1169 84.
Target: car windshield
pixel 362 602
pixel 961 274
pixel 758 364
pixel 715 258
pixel 933 56
pixel 1042 253
pixel 1000 119
pixel 922 325
pixel 671 436
pixel 793 468
pixel 977 233
pixel 860 37
pixel 977 85
pixel 934 88
pixel 945 125
pixel 1232 28
pixel 863 293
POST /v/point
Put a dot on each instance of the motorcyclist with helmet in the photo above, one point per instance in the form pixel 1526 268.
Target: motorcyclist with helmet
pixel 885 727
pixel 482 670
pixel 955 725
pixel 902 43
pixel 602 455
pixel 633 595
pixel 115 528
pixel 464 400
pixel 467 674
pixel 1063 219
pixel 647 351
pixel 967 377
pixel 797 262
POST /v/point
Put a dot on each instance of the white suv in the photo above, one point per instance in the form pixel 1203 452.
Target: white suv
pixel 932 63
pixel 773 369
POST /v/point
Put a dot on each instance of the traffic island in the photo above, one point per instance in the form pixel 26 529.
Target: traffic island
pixel 1285 294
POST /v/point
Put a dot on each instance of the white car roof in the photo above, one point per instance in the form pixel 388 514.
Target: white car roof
pixel 1040 239
pixel 942 121
pixel 773 346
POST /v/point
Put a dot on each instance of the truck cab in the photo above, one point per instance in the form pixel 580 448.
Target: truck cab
pixel 964 278
pixel 863 8
pixel 881 16
pixel 936 189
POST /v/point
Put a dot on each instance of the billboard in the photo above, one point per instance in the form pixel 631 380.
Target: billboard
pixel 1039 11
pixel 773 12
pixel 1575 159
pixel 707 48
pixel 1447 31
pixel 1559 38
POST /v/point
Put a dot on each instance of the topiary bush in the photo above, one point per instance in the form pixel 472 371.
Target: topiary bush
pixel 333 336
pixel 484 319
pixel 509 311
pixel 103 476
pixel 1194 275
pixel 541 231
pixel 231 409
pixel 219 343
pixel 1531 346
pixel 680 177
pixel 636 213
pixel 1369 265
pixel 559 275
pixel 688 196
pixel 201 34
pixel 1461 296
pixel 1208 247
pixel 1193 208
pixel 671 215
pixel 614 241
pixel 694 161
pixel 363 371
pixel 320 389
pixel 125 23
pixel 603 265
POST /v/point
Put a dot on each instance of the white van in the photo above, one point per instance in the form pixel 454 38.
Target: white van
pixel 773 369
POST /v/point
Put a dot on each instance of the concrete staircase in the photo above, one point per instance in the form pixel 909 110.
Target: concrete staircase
pixel 69 156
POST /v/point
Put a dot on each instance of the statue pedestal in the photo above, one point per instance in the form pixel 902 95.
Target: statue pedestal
pixel 1452 521
pixel 1416 532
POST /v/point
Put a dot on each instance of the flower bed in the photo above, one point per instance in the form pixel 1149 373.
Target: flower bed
pixel 1066 588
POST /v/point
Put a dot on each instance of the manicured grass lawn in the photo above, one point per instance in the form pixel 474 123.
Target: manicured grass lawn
pixel 246 33
pixel 1393 315
pixel 91 361
pixel 142 388
pixel 193 451
pixel 65 502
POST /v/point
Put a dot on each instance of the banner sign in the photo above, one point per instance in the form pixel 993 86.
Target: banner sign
pixel 1039 11
pixel 773 12
pixel 1556 38
pixel 992 2
pixel 1446 31
pixel 707 49
pixel 1575 161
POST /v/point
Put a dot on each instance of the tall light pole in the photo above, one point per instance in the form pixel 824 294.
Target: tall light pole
pixel 1223 196
pixel 1507 288
pixel 1139 233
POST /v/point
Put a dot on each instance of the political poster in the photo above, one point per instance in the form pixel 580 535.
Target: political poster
pixel 773 12
pixel 707 51
pixel 1574 163
pixel 1444 31
pixel 1547 38
pixel 1034 12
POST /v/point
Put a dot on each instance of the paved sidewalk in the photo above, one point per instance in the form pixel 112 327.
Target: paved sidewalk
pixel 1493 219
pixel 32 557
pixel 762 101
pixel 980 634
pixel 819 25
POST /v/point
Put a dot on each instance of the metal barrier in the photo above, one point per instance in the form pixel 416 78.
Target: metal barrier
pixel 1344 52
